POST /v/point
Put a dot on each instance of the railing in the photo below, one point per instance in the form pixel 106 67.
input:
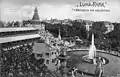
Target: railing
pixel 16 29
pixel 17 38
pixel 115 53
pixel 18 33
pixel 12 26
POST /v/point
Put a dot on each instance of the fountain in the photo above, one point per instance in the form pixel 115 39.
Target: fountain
pixel 92 52
pixel 92 57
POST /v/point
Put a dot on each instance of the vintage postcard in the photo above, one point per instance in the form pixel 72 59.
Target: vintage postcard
pixel 59 38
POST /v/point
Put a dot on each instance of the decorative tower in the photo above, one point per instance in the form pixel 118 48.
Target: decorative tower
pixel 59 36
pixel 35 16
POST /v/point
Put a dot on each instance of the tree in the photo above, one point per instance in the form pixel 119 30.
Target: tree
pixel 25 22
pixel 98 28
pixel 64 29
pixel 12 23
pixel 79 29
pixel 9 24
pixel 114 36
pixel 17 24
pixel 83 32
pixel 1 24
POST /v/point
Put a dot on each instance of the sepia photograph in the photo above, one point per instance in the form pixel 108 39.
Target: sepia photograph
pixel 59 38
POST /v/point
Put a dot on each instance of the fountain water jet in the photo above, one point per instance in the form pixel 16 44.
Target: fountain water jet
pixel 92 52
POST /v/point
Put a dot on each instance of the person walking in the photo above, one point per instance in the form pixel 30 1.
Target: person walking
pixel 99 68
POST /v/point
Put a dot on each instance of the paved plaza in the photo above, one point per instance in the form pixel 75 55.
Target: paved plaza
pixel 110 69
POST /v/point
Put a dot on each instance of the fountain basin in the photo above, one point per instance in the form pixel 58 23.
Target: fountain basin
pixel 63 57
pixel 87 59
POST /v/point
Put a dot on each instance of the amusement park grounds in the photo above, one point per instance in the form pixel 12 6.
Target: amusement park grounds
pixel 112 69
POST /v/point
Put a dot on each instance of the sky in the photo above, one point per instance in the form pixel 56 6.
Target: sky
pixel 12 10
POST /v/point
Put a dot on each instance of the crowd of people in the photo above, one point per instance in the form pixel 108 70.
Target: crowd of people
pixel 20 62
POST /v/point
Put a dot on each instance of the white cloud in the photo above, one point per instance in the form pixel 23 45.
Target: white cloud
pixel 54 11
pixel 14 12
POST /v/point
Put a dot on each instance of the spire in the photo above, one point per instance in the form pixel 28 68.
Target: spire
pixel 35 16
pixel 36 10
pixel 59 36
